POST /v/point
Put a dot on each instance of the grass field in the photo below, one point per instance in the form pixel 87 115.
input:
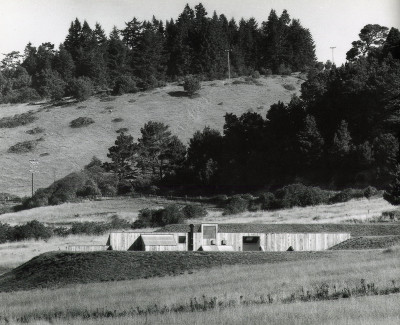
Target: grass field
pixel 66 149
pixel 80 303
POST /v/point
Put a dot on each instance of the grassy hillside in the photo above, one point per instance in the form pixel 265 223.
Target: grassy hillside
pixel 61 268
pixel 119 302
pixel 63 149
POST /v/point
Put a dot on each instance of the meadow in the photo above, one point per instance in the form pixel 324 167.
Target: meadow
pixel 233 286
pixel 65 149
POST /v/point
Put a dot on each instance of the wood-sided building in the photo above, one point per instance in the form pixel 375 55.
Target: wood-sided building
pixel 214 237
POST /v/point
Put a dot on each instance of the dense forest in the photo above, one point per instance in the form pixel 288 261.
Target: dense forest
pixel 146 54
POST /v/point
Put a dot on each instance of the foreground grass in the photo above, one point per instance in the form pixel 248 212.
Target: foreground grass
pixel 356 311
pixel 344 269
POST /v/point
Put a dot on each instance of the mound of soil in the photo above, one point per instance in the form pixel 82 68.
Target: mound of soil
pixel 56 269
pixel 372 242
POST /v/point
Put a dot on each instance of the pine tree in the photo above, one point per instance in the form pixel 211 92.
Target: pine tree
pixel 310 142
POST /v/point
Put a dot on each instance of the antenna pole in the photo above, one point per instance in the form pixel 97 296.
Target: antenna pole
pixel 333 58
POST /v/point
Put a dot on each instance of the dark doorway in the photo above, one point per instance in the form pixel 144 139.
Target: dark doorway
pixel 251 243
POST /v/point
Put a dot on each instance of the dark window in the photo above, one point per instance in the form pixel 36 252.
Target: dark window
pixel 209 232
pixel 250 239
pixel 182 239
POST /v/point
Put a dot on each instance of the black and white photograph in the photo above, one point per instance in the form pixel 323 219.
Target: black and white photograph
pixel 202 162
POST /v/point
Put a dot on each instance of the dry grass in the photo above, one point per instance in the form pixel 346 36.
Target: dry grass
pixel 70 149
pixel 126 208
pixel 231 282
pixel 361 209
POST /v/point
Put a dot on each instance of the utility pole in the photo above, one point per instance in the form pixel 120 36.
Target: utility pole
pixel 333 59
pixel 229 65
pixel 34 164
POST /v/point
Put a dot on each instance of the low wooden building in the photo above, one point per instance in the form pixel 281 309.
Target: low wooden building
pixel 210 237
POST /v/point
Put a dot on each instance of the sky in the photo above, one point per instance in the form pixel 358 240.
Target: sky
pixel 332 23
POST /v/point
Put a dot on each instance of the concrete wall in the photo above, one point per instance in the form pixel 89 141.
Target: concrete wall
pixel 303 241
pixel 123 241
pixel 87 248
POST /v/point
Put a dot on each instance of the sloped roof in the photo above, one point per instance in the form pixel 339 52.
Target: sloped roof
pixel 158 240
pixel 215 248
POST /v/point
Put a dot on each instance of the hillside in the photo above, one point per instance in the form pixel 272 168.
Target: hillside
pixel 64 149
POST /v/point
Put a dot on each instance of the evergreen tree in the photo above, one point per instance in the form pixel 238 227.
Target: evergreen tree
pixel 310 143
pixel 64 64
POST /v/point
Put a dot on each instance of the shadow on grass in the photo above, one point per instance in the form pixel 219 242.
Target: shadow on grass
pixel 178 93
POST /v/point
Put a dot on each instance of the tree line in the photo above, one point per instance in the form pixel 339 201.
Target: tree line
pixel 146 54
pixel 344 130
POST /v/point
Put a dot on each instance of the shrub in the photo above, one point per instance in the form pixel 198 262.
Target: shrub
pixel 117 120
pixel 192 211
pixel 89 190
pixel 370 191
pixel 32 229
pixel 300 195
pixel 236 204
pixel 255 74
pixel 392 215
pixel 119 223
pixel 284 70
pixel 81 88
pixel 125 85
pixel 267 201
pixel 289 87
pixel 171 214
pixel 266 71
pixel 191 85
pixel 122 130
pixel 36 130
pixel 89 228
pixel 18 120
pixel 81 122
pixel 23 147
pixel 22 95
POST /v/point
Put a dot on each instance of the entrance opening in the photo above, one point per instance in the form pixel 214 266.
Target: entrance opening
pixel 251 243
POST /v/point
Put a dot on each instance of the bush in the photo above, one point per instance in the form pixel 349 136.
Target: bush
pixel 192 211
pixel 171 214
pixel 122 130
pixel 370 191
pixel 125 85
pixel 33 229
pixel 22 95
pixel 392 215
pixel 89 228
pixel 36 130
pixel 236 204
pixel 81 122
pixel 89 190
pixel 267 201
pixel 18 120
pixel 266 71
pixel 284 70
pixel 300 195
pixel 289 87
pixel 117 120
pixel 255 74
pixel 81 88
pixel 119 223
pixel 23 147
pixel 191 85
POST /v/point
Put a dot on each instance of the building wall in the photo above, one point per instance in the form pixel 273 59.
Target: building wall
pixel 303 241
pixel 87 248
pixel 232 239
pixel 123 241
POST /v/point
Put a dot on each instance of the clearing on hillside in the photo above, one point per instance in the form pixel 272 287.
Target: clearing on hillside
pixel 69 149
